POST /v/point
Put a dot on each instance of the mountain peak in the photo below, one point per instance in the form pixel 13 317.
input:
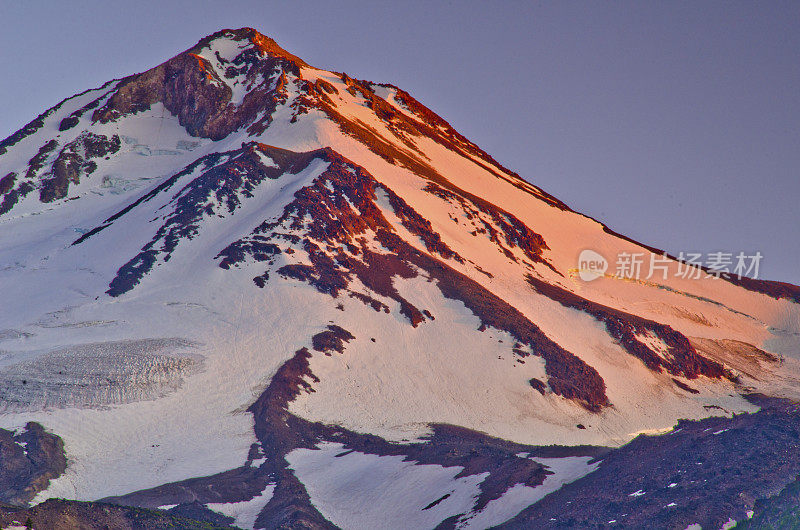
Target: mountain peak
pixel 266 45
pixel 239 283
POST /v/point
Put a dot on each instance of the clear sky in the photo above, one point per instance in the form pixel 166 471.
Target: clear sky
pixel 676 123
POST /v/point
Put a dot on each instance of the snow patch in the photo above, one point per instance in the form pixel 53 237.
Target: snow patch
pixel 518 497
pixel 360 490
pixel 244 513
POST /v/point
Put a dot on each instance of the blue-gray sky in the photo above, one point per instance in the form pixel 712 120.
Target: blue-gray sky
pixel 675 123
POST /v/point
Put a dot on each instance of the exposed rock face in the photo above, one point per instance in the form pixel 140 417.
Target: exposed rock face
pixel 28 461
pixel 74 161
pixel 679 356
pixel 216 192
pixel 778 511
pixel 59 514
pixel 331 340
pixel 704 472
pixel 191 89
pixel 13 193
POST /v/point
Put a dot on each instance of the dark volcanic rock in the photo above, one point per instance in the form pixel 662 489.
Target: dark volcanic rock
pixel 235 485
pixel 12 195
pixel 217 191
pixel 703 472
pixel 74 161
pixel 59 514
pixel 781 512
pixel 28 461
pixel 191 89
pixel 502 228
pixel 198 512
pixel 333 339
pixel 682 358
pixel 68 123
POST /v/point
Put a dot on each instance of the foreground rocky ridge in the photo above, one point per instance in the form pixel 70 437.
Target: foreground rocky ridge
pixel 58 514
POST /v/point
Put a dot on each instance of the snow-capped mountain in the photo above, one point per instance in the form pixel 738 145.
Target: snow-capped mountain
pixel 246 291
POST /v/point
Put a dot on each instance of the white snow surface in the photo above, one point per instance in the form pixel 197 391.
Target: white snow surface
pixel 518 497
pixel 244 513
pixel 359 490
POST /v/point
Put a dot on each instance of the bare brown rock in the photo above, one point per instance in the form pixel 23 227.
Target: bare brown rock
pixel 28 461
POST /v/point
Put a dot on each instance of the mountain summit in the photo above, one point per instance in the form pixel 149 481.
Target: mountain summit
pixel 241 290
